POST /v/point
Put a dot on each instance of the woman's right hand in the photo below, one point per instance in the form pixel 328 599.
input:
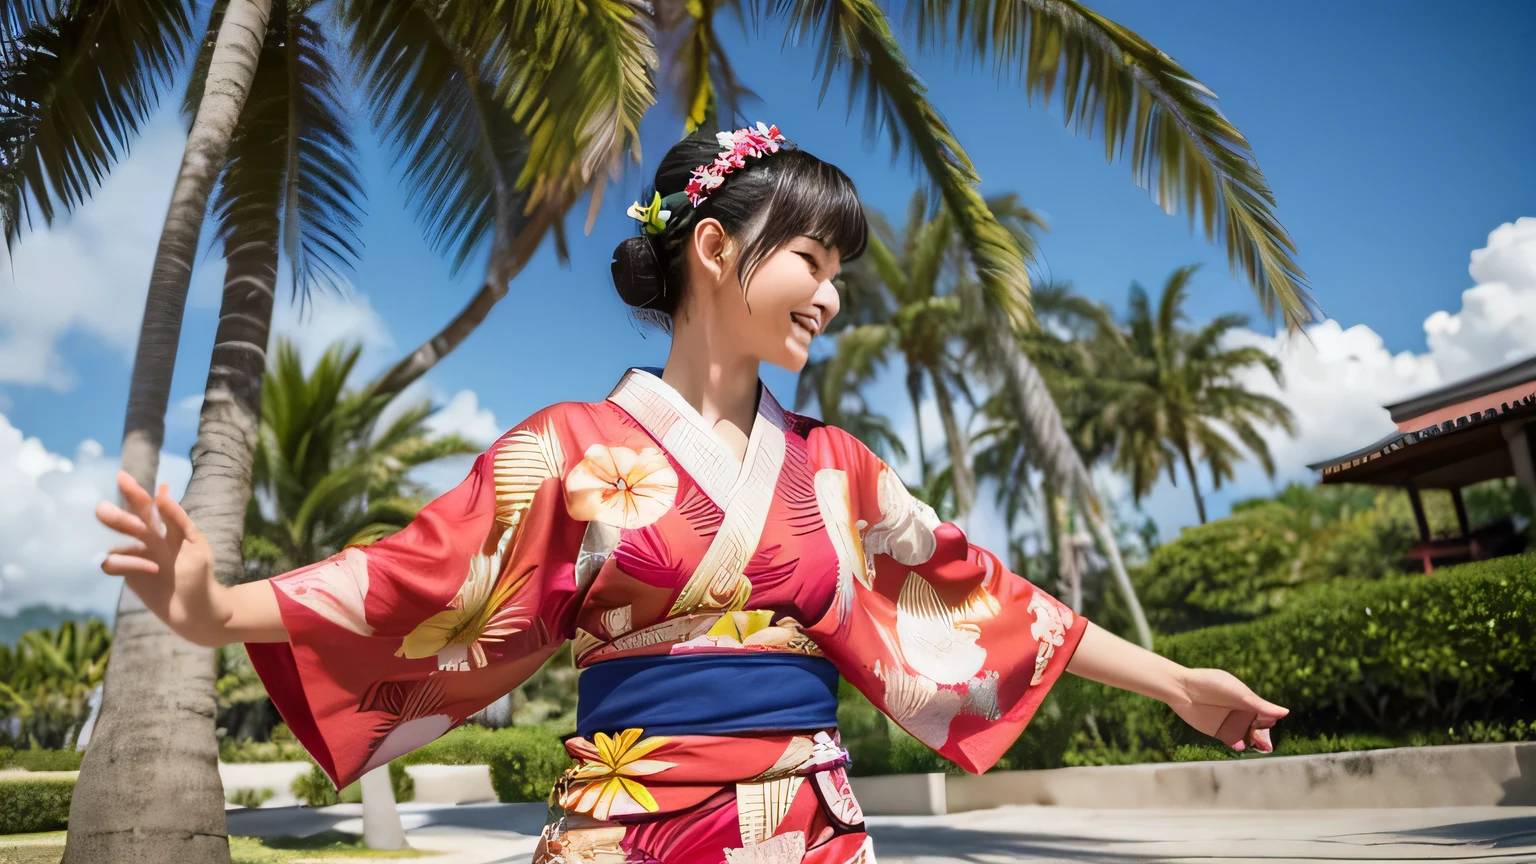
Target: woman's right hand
pixel 167 561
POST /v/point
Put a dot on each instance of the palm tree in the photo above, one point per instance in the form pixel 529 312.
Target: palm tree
pixel 1176 390
pixel 1070 354
pixel 333 466
pixel 80 79
pixel 46 681
pixel 332 470
pixel 1146 107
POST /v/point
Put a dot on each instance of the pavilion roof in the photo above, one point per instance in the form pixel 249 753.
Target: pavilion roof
pixel 1446 438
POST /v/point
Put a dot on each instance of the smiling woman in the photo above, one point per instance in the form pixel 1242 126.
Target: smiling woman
pixel 716 562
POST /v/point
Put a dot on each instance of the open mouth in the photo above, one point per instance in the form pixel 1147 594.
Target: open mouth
pixel 807 323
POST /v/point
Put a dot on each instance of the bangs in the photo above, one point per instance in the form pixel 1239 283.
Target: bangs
pixel 810 198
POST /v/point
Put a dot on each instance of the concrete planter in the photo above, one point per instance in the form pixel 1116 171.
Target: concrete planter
pixel 1468 775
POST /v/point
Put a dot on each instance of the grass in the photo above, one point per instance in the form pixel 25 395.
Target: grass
pixel 47 847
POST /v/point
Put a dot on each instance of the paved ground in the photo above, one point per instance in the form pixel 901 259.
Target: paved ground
pixel 506 833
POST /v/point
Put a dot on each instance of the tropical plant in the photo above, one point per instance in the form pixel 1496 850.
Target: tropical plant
pixel 922 275
pixel 159 701
pixel 46 681
pixel 77 81
pixel 1175 391
pixel 333 467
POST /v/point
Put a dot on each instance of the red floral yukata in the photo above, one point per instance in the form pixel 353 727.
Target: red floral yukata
pixel 712 605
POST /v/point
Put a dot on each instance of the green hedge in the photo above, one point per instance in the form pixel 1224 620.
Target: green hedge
pixel 1440 659
pixel 33 804
pixel 528 762
pixel 40 760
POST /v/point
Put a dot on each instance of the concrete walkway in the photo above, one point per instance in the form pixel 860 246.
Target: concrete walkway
pixel 507 833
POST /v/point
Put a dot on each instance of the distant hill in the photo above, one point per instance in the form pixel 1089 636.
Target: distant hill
pixel 33 617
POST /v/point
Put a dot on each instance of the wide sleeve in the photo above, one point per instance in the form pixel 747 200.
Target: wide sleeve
pixel 390 645
pixel 934 630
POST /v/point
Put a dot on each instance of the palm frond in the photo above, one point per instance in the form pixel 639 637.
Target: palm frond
pixel 75 87
pixel 293 176
pixel 431 79
pixel 583 109
pixel 1150 111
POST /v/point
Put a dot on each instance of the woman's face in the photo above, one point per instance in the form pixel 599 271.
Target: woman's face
pixel 790 299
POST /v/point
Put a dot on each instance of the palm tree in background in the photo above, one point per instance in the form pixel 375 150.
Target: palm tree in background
pixel 293 187
pixel 1070 350
pixel 333 465
pixel 47 680
pixel 1177 390
pixel 79 79
pixel 921 277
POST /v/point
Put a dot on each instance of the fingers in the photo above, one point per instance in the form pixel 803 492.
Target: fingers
pixel 1234 730
pixel 178 525
pixel 134 548
pixel 121 520
pixel 120 564
pixel 137 500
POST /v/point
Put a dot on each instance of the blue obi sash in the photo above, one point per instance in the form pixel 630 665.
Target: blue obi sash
pixel 707 694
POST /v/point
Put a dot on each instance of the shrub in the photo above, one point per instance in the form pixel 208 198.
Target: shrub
pixel 282 748
pixel 467 745
pixel 246 797
pixel 314 789
pixel 1410 653
pixel 1234 569
pixel 1441 659
pixel 527 764
pixel 36 759
pixel 30 804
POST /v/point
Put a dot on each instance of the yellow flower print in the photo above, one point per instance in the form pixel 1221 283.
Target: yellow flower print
pixel 620 487
pixel 474 616
pixel 603 787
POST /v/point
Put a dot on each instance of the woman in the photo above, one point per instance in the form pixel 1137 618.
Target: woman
pixel 717 561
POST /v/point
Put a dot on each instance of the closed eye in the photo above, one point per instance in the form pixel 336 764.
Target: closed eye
pixel 809 259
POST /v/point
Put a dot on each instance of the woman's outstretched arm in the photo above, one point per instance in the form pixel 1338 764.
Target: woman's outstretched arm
pixel 1212 701
pixel 169 565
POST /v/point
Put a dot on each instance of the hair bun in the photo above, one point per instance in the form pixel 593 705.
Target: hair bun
pixel 637 272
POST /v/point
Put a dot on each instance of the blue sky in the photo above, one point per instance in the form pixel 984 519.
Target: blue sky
pixel 1396 136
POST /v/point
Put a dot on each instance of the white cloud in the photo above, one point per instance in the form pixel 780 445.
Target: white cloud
pixel 463 416
pixel 89 273
pixel 51 545
pixel 1337 379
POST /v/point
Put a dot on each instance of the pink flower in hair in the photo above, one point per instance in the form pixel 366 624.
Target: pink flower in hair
pixel 751 141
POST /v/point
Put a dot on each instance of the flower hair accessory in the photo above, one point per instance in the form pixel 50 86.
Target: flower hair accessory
pixel 651 218
pixel 755 141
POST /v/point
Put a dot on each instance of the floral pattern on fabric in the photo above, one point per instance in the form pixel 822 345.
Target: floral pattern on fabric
pixel 627 528
pixel 604 785
pixel 620 487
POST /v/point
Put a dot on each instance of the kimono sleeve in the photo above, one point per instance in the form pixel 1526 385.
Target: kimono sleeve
pixel 392 644
pixel 938 634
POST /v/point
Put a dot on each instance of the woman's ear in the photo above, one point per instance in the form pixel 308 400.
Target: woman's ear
pixel 710 245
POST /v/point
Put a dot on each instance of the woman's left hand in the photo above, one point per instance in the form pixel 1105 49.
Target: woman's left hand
pixel 1216 703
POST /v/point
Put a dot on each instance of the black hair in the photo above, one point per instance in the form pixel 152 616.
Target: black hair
pixel 775 198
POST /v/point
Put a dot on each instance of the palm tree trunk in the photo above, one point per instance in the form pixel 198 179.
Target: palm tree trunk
pixel 1194 483
pixel 149 786
pixel 959 452
pixel 230 421
pixel 1068 561
pixel 1056 455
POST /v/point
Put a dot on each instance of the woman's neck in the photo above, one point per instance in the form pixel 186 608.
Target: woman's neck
pixel 719 381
